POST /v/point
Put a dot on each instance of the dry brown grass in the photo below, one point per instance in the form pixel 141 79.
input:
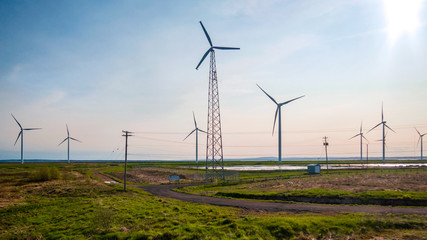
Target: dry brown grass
pixel 14 188
pixel 406 181
pixel 153 175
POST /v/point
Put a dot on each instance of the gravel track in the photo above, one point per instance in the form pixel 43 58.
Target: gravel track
pixel 167 191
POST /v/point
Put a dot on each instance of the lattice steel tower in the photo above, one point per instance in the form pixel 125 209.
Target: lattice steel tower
pixel 214 153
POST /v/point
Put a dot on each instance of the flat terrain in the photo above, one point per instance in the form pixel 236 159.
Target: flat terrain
pixel 72 201
pixel 395 181
pixel 154 175
pixel 167 191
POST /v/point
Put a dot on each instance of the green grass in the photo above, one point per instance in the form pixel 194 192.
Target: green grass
pixel 77 207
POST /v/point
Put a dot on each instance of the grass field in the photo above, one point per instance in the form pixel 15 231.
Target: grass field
pixel 61 201
pixel 396 184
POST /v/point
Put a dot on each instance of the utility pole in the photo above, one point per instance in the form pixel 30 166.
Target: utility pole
pixel 126 134
pixel 325 143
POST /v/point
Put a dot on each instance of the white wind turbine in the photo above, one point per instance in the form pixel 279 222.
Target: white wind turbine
pixel 384 126
pixel 279 112
pixel 197 130
pixel 361 140
pixel 68 138
pixel 420 139
pixel 21 134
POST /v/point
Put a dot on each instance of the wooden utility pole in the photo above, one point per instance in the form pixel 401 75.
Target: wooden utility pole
pixel 325 143
pixel 126 134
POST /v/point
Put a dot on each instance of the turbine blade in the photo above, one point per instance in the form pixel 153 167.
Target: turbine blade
pixel 354 136
pixel 365 138
pixel 291 100
pixel 203 58
pixel 29 129
pixel 272 99
pixel 63 141
pixel 382 112
pixel 417 131
pixel 189 134
pixel 389 128
pixel 226 48
pixel 16 121
pixel 361 126
pixel 375 126
pixel 75 139
pixel 418 141
pixel 18 137
pixel 275 117
pixel 68 133
pixel 194 117
pixel 206 33
pixel 200 130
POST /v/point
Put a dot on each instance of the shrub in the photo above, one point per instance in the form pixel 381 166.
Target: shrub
pixel 45 174
pixel 54 173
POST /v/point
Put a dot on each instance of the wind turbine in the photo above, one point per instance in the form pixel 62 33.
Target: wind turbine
pixel 361 140
pixel 197 130
pixel 214 150
pixel 279 112
pixel 68 138
pixel 421 138
pixel 21 134
pixel 384 126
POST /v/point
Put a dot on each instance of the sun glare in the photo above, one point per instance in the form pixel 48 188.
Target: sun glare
pixel 402 17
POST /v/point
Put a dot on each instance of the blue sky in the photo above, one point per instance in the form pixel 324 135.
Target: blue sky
pixel 107 66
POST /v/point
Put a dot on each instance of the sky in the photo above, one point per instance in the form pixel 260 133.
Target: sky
pixel 106 66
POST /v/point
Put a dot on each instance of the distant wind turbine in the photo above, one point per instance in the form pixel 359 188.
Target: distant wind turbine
pixel 361 140
pixel 21 134
pixel 420 138
pixel 279 112
pixel 384 126
pixel 68 138
pixel 197 130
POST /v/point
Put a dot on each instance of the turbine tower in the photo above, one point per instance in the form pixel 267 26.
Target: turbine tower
pixel 214 153
pixel 279 112
pixel 197 130
pixel 420 138
pixel 21 134
pixel 361 140
pixel 68 138
pixel 384 126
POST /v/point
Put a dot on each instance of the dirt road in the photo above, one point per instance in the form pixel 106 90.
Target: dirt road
pixel 166 191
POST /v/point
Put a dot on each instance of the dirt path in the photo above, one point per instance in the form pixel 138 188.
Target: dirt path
pixel 103 178
pixel 166 191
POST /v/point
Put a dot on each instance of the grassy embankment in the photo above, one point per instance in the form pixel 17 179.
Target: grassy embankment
pixel 55 201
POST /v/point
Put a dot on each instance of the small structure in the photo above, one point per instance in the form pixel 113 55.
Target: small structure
pixel 173 178
pixel 313 168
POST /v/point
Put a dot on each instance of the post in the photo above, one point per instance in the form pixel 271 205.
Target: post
pixel 325 143
pixel 126 134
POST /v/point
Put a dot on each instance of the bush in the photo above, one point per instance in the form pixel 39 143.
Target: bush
pixel 45 174
pixel 54 173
